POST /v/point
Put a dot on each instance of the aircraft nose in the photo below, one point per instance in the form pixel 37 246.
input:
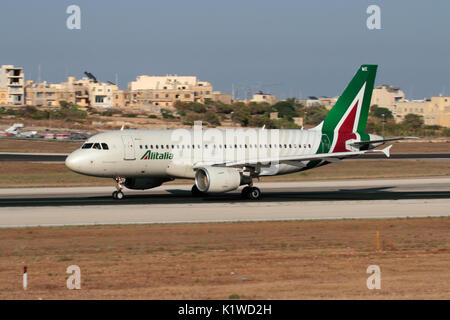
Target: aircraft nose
pixel 73 162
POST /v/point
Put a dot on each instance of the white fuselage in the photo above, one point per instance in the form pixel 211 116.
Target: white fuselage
pixel 176 153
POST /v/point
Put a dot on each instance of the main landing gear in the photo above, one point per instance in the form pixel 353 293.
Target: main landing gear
pixel 118 195
pixel 250 192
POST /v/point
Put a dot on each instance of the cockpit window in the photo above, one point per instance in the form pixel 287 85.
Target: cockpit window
pixel 105 146
pixel 97 146
pixel 87 146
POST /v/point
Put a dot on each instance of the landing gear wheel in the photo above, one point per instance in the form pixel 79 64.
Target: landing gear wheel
pixel 245 192
pixel 254 193
pixel 114 195
pixel 196 192
pixel 119 195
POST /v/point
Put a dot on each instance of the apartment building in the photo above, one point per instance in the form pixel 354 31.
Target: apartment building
pixel 164 91
pixel 41 94
pixel 435 111
pixel 263 97
pixel 3 96
pixel 386 96
pixel 12 79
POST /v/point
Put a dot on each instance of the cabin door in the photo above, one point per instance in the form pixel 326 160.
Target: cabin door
pixel 128 146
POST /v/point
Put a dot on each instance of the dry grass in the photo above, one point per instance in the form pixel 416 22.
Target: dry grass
pixel 265 260
pixel 33 146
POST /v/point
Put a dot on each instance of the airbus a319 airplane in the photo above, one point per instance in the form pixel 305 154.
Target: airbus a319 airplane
pixel 223 160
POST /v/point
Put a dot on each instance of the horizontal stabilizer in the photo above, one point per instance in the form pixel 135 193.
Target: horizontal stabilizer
pixel 361 143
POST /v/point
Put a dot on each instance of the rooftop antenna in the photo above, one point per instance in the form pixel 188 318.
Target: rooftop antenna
pixel 39 73
pixel 117 80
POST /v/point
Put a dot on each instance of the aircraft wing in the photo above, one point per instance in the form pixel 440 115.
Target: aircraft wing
pixel 331 157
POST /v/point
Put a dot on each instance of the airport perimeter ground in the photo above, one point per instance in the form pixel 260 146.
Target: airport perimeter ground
pixel 304 259
pixel 247 260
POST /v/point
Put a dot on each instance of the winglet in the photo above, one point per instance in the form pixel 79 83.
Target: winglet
pixel 386 151
pixel 123 126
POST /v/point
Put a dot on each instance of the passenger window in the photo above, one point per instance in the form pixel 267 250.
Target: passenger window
pixel 140 146
pixel 105 146
pixel 97 146
pixel 146 147
pixel 156 146
pixel 87 146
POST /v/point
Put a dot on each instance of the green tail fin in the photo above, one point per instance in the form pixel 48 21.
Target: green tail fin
pixel 353 95
pixel 348 117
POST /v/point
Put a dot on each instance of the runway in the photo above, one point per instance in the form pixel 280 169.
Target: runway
pixel 339 199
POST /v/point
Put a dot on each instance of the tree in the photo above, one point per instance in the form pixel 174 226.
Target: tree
pixel 286 109
pixel 212 118
pixel 413 121
pixel 378 112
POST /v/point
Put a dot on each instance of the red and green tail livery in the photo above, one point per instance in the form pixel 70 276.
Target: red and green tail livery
pixel 347 120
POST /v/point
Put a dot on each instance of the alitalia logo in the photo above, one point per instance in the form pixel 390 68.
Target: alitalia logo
pixel 149 155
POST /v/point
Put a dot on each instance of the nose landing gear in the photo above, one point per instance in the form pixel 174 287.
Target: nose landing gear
pixel 118 195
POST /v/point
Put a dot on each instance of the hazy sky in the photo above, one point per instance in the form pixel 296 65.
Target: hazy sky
pixel 291 48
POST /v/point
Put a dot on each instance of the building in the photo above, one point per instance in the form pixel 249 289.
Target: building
pixel 3 96
pixel 101 94
pixel 164 91
pixel 263 97
pixel 12 79
pixel 121 98
pixel 41 94
pixel 386 96
pixel 327 102
pixel 224 98
pixel 435 111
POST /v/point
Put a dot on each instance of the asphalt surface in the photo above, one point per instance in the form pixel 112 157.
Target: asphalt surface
pixel 36 157
pixel 350 199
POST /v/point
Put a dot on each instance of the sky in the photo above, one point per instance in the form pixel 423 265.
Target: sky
pixel 291 48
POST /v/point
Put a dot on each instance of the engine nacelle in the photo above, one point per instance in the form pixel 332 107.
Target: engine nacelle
pixel 217 179
pixel 143 183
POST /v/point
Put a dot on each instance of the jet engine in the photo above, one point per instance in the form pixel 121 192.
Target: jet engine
pixel 217 179
pixel 143 183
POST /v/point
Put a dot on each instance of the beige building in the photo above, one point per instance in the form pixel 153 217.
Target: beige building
pixel 41 94
pixel 262 97
pixel 121 98
pixel 101 94
pixel 224 98
pixel 328 103
pixel 435 111
pixel 164 91
pixel 387 97
pixel 12 79
pixel 3 96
